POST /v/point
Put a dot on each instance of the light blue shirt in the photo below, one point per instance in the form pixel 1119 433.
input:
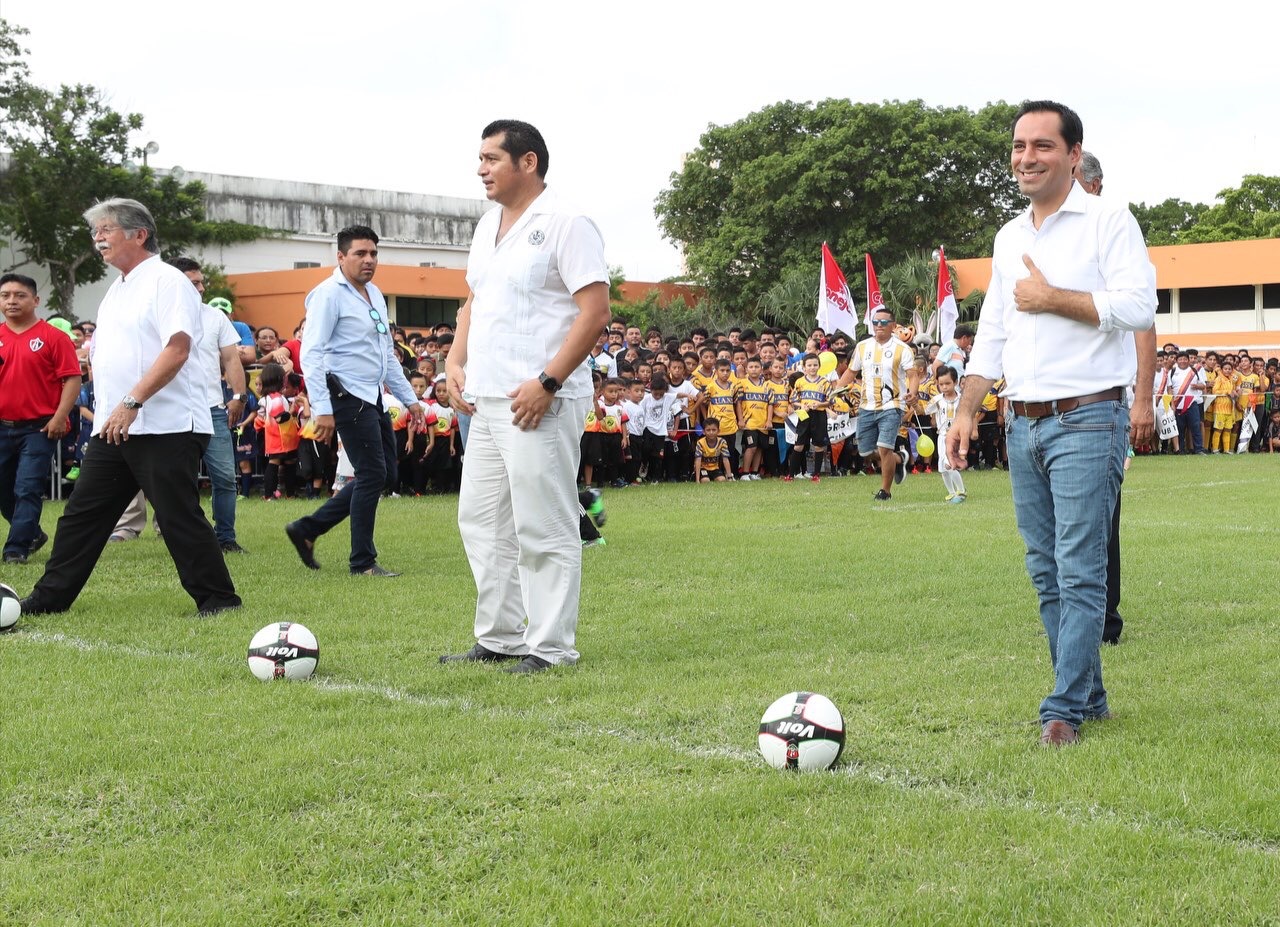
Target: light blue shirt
pixel 341 338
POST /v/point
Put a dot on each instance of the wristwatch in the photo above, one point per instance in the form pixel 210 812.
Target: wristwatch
pixel 549 383
pixel 130 403
pixel 236 397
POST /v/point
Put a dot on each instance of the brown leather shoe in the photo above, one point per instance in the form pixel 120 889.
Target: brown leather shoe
pixel 1058 734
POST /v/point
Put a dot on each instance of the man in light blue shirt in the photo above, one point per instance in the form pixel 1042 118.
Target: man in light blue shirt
pixel 348 355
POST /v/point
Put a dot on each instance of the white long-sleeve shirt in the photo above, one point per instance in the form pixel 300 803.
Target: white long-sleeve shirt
pixel 1089 245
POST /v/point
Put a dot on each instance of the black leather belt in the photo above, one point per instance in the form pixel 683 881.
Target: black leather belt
pixel 1059 406
pixel 25 423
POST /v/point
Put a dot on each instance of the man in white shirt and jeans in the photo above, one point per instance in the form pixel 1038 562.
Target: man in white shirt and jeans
pixel 151 423
pixel 539 299
pixel 1070 277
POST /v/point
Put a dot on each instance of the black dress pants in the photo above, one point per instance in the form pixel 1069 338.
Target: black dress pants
pixel 164 467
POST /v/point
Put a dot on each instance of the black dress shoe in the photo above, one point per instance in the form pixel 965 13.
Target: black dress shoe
pixel 374 570
pixel 210 610
pixel 480 654
pixel 15 558
pixel 304 545
pixel 231 547
pixel 38 543
pixel 529 665
pixel 30 607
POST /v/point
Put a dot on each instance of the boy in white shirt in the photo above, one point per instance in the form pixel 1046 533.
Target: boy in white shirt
pixel 656 411
pixel 634 395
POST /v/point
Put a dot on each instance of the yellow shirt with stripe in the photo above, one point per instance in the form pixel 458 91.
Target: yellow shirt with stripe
pixel 780 401
pixel 808 393
pixel 710 456
pixel 755 399
pixel 719 406
pixel 884 368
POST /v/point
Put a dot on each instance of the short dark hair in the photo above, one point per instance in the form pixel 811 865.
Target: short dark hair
pixel 22 280
pixel 698 331
pixel 962 331
pixel 711 423
pixel 518 139
pixel 355 233
pixel 1072 127
pixel 808 357
pixel 945 371
pixel 271 379
pixel 723 362
pixel 185 264
pixel 748 335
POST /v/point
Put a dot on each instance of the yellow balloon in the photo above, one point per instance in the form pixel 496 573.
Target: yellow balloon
pixel 827 363
pixel 924 446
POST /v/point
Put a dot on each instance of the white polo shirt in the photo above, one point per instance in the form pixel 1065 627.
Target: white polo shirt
pixel 138 316
pixel 218 334
pixel 1090 245
pixel 523 289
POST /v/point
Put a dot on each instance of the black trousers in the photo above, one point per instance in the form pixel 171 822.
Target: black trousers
pixel 164 467
pixel 1113 623
pixel 365 430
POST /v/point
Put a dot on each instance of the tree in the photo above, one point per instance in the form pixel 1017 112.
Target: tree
pixel 69 149
pixel 1165 223
pixel 758 197
pixel 792 302
pixel 1251 210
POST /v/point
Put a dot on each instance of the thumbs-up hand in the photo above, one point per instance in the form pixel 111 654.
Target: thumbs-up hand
pixel 1033 293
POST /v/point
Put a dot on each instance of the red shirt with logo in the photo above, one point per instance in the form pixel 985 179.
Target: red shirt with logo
pixel 35 364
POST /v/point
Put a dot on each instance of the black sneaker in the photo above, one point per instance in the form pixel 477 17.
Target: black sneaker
pixel 38 543
pixel 15 558
pixel 30 607
pixel 231 547
pixel 374 570
pixel 480 654
pixel 900 468
pixel 530 665
pixel 212 610
pixel 305 546
pixel 882 496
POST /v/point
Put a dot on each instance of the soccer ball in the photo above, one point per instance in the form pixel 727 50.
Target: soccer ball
pixel 286 650
pixel 802 730
pixel 10 608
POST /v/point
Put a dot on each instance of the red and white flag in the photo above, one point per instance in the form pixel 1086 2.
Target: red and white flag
pixel 875 302
pixel 835 303
pixel 948 311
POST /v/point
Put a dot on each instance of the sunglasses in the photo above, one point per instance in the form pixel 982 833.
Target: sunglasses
pixel 377 321
pixel 881 322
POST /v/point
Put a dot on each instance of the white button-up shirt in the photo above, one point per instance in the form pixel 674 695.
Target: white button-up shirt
pixel 218 334
pixel 1088 245
pixel 138 316
pixel 523 287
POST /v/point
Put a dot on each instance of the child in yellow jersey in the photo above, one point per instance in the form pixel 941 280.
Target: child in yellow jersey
pixel 717 397
pixel 705 372
pixel 780 405
pixel 1224 412
pixel 711 455
pixel 752 399
pixel 812 397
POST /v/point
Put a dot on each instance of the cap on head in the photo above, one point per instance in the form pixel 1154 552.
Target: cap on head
pixel 221 302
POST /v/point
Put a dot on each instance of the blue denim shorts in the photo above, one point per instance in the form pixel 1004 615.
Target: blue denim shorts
pixel 878 429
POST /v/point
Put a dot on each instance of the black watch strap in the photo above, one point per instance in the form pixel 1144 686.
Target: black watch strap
pixel 549 383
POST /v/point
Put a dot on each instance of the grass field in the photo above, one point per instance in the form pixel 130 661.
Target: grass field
pixel 148 779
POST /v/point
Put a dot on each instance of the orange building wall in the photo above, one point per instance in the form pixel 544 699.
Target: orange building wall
pixel 276 297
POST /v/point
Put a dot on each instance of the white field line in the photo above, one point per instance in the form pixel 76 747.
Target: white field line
pixel 900 779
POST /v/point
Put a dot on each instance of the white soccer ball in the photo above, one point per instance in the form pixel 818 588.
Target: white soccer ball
pixel 286 650
pixel 10 608
pixel 802 730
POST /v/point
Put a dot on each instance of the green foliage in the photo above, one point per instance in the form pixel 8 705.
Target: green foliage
pixel 1165 223
pixel 69 149
pixel 758 197
pixel 677 317
pixel 792 302
pixel 616 279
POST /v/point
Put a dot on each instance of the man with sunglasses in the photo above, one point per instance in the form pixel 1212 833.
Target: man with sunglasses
pixel 348 355
pixel 890 380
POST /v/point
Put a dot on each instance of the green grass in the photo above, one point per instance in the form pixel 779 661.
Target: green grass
pixel 147 778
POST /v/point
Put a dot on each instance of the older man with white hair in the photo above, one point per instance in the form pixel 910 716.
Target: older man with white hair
pixel 151 422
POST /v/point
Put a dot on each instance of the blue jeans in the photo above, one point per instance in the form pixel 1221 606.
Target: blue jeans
pixel 25 453
pixel 219 463
pixel 1066 471
pixel 365 430
pixel 878 429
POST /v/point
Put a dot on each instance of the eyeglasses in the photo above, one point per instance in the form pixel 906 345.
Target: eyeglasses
pixel 377 321
pixel 103 231
pixel 879 322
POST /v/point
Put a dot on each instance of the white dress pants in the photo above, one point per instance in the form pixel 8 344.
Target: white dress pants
pixel 518 517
